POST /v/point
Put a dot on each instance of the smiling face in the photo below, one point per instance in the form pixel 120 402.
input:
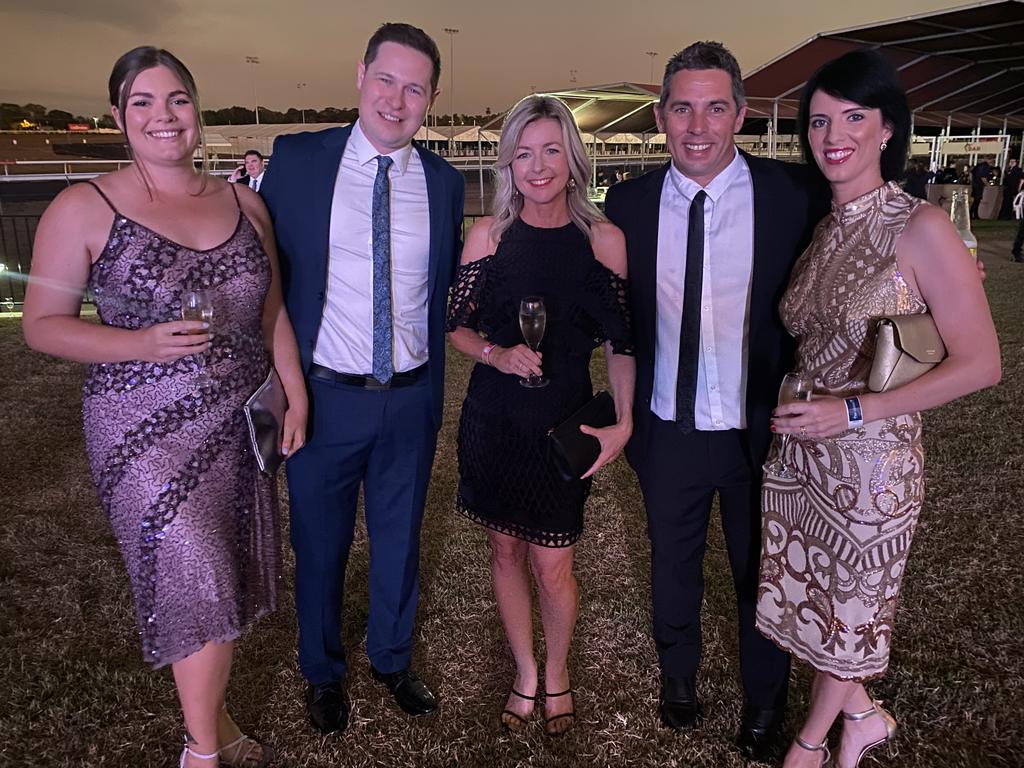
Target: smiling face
pixel 699 118
pixel 160 118
pixel 253 166
pixel 540 166
pixel 845 139
pixel 394 95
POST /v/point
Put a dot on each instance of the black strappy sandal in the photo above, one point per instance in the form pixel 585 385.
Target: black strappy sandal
pixel 570 715
pixel 517 722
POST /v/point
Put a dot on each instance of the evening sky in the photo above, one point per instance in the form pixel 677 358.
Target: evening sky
pixel 59 52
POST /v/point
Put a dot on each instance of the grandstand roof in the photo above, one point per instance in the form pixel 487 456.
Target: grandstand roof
pixel 615 108
pixel 965 63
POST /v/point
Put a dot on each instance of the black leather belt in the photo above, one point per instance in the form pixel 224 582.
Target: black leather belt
pixel 402 379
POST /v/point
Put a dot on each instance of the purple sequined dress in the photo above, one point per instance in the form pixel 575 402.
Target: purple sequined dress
pixel 195 520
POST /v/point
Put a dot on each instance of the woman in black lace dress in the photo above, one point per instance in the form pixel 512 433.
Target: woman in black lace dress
pixel 545 239
pixel 195 519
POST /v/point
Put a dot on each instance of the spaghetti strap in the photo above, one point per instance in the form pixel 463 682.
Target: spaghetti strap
pixel 103 195
pixel 235 191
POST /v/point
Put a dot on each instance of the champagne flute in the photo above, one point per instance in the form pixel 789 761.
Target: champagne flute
pixel 532 320
pixel 197 304
pixel 795 388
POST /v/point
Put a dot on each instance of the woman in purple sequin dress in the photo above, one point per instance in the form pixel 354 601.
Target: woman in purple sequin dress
pixel 195 519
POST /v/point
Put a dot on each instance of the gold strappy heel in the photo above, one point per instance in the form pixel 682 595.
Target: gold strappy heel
pixel 198 755
pixel 245 751
pixel 823 748
pixel 890 729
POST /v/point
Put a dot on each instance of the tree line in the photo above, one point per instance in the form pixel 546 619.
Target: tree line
pixel 13 116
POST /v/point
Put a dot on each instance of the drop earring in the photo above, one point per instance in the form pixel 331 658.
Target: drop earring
pixel 884 144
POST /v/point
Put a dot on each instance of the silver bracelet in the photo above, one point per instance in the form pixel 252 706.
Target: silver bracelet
pixel 854 413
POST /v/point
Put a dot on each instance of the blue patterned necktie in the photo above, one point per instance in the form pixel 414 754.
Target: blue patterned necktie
pixel 383 364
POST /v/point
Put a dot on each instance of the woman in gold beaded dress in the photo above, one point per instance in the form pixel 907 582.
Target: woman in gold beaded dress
pixel 836 537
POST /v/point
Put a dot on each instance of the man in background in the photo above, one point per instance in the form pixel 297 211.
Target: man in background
pixel 250 172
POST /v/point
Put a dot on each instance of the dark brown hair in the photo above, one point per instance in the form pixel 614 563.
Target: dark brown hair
pixel 128 67
pixel 705 55
pixel 410 37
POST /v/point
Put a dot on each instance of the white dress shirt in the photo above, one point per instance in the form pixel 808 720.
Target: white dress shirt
pixel 254 182
pixel 345 340
pixel 725 295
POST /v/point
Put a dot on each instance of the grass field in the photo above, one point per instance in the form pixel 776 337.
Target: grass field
pixel 75 693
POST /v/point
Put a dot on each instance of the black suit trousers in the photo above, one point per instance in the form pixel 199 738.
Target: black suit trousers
pixel 679 475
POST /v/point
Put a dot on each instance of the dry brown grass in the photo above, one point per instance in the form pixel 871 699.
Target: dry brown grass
pixel 75 693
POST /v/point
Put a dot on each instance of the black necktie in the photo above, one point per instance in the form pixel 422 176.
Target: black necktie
pixel 689 330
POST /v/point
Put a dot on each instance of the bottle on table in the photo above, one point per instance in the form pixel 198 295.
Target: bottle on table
pixel 960 215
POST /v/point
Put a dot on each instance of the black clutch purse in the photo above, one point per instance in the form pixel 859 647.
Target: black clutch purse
pixel 574 452
pixel 264 413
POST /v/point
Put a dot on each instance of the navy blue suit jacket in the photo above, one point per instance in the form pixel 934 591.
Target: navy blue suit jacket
pixel 298 189
pixel 788 202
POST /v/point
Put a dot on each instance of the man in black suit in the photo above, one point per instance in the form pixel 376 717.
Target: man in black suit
pixel 711 239
pixel 1011 182
pixel 979 180
pixel 251 172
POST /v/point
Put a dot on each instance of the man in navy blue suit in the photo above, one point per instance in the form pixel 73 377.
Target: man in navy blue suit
pixel 368 227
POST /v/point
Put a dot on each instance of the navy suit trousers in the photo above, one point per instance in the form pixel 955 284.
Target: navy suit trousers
pixel 384 441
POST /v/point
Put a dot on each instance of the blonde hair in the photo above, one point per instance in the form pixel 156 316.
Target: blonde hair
pixel 507 203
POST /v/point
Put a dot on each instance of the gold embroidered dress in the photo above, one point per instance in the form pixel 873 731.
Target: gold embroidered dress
pixel 835 539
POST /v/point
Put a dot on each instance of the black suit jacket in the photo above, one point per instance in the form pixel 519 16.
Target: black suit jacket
pixel 788 202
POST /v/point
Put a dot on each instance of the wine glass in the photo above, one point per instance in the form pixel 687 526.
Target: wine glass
pixel 532 320
pixel 795 388
pixel 197 304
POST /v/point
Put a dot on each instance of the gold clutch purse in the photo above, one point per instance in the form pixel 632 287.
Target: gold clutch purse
pixel 906 346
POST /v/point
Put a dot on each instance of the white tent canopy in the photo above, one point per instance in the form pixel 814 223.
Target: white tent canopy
pixel 429 134
pixel 467 134
pixel 621 138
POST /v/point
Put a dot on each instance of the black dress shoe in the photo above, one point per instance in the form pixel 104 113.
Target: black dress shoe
pixel 760 734
pixel 411 693
pixel 678 703
pixel 327 707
